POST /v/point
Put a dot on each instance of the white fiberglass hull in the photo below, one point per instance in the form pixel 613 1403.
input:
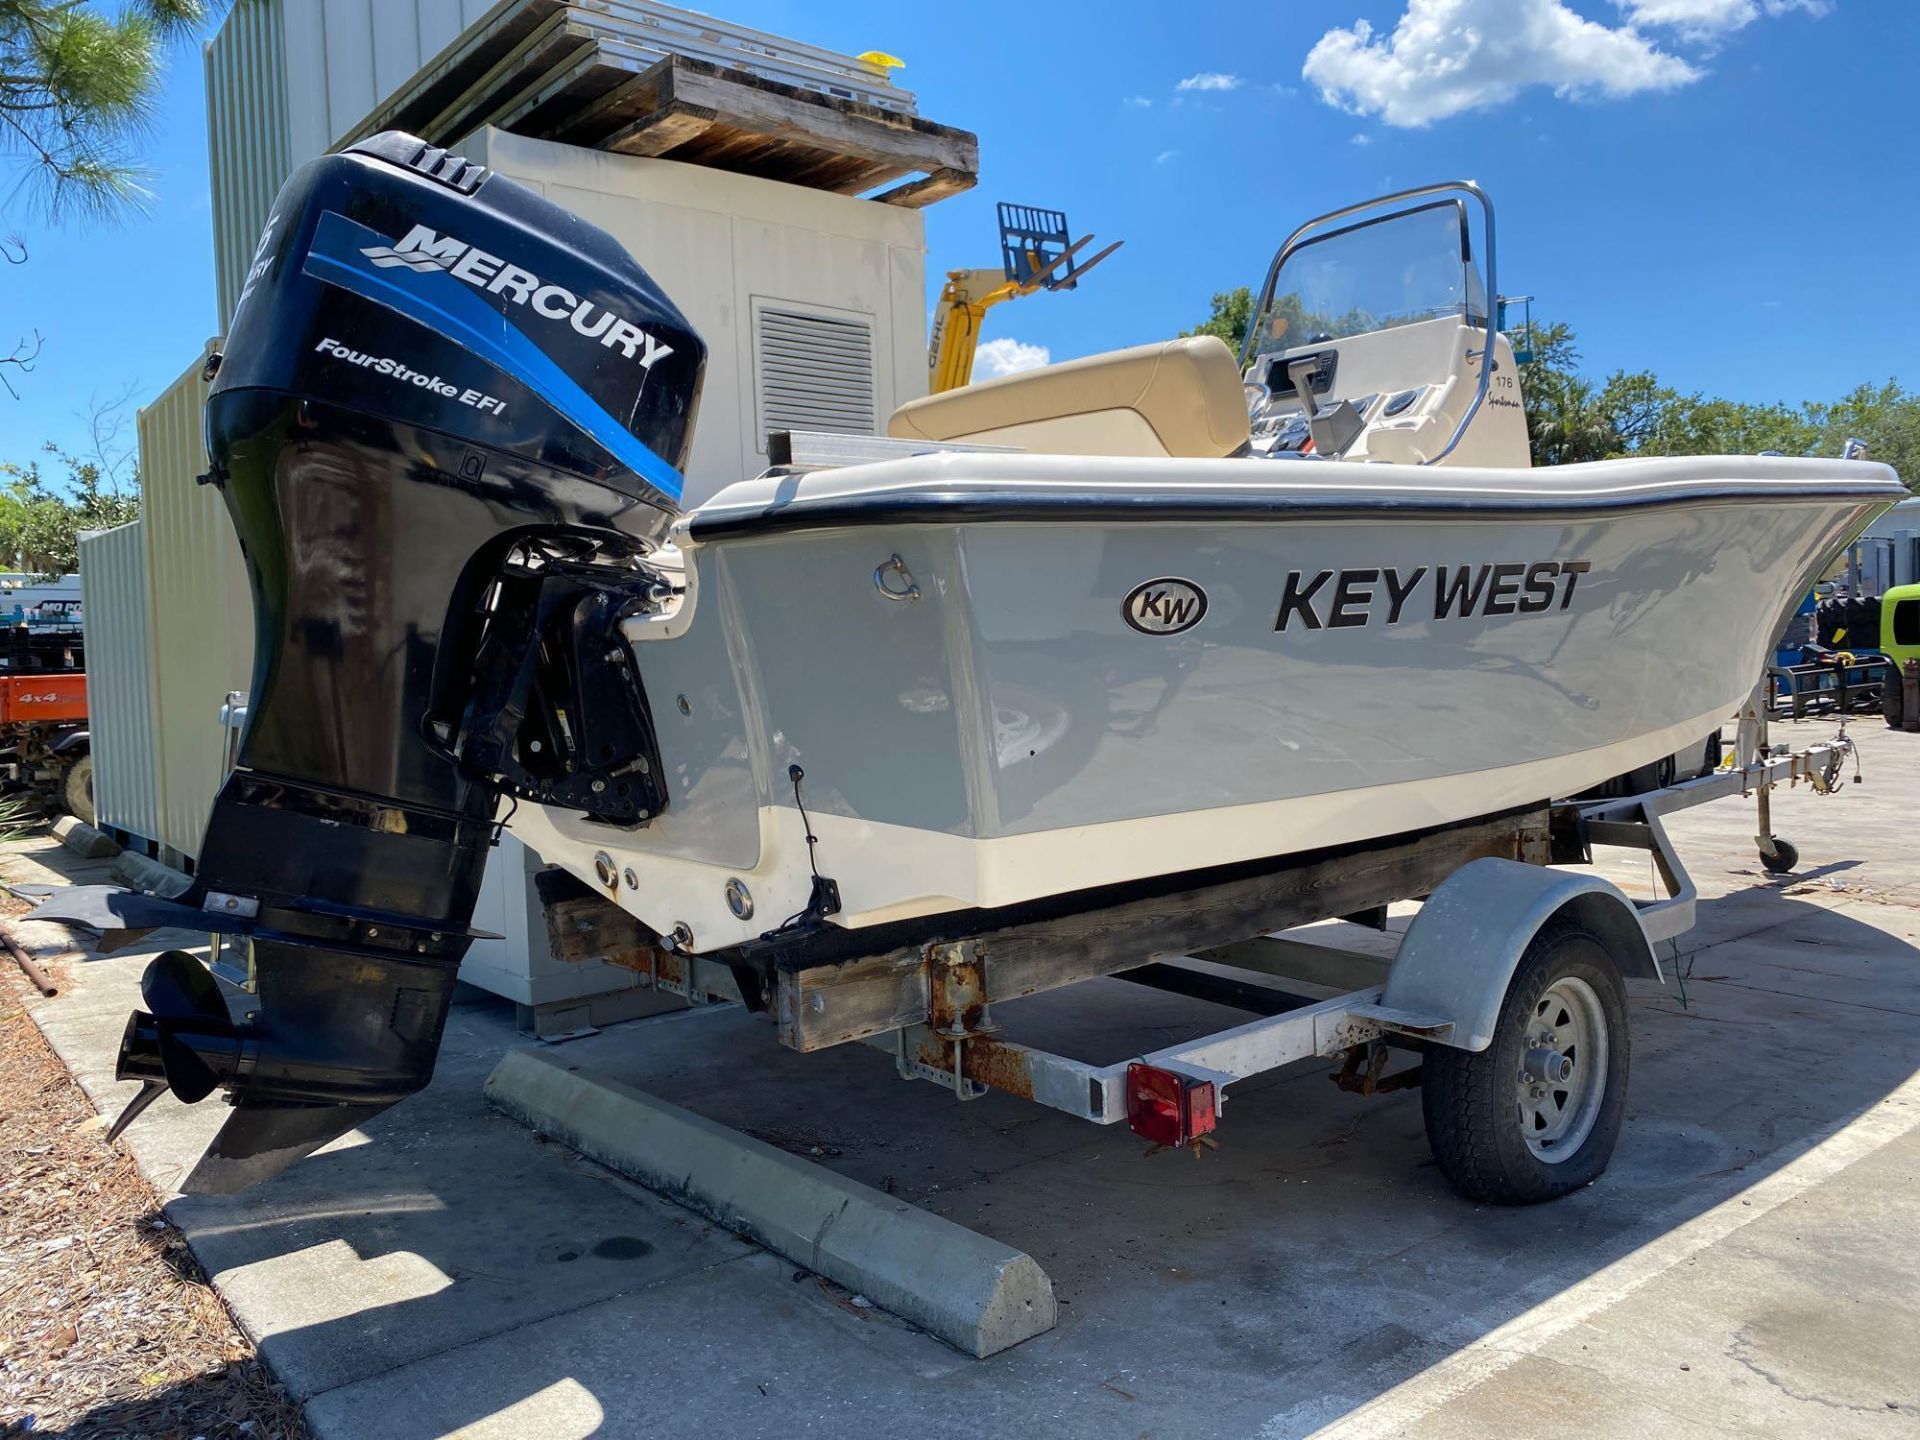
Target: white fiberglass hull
pixel 1344 652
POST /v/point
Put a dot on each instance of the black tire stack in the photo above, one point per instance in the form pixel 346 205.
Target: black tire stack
pixel 1849 622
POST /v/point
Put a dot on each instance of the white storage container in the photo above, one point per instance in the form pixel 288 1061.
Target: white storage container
pixel 120 718
pixel 771 275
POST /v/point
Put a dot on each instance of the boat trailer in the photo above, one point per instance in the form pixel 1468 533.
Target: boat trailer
pixel 1489 896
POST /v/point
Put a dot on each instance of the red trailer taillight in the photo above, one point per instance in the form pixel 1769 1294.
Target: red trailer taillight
pixel 1167 1107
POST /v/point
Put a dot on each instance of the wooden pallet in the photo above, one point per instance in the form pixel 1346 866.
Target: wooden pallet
pixel 561 72
pixel 682 109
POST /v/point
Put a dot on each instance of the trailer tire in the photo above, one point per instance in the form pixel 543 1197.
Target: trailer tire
pixel 1892 699
pixel 1495 1134
pixel 76 790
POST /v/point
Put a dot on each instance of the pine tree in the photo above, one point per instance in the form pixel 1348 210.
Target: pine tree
pixel 77 86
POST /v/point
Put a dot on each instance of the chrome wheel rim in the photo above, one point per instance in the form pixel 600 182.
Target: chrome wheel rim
pixel 1562 1075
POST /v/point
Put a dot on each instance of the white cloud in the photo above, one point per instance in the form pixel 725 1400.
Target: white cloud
pixel 1707 19
pixel 1138 102
pixel 1445 57
pixel 1165 155
pixel 1693 14
pixel 1009 357
pixel 1210 80
pixel 1362 138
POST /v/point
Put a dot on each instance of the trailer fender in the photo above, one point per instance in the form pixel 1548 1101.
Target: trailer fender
pixel 1463 947
pixel 74 742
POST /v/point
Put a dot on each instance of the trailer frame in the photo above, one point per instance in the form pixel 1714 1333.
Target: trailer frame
pixel 931 1006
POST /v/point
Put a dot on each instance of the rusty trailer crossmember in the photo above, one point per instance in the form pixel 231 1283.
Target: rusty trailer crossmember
pixel 975 1063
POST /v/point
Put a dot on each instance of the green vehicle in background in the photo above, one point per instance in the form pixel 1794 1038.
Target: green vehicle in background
pixel 1845 653
pixel 1899 641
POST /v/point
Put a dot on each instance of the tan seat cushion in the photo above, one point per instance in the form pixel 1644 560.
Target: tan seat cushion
pixel 1178 397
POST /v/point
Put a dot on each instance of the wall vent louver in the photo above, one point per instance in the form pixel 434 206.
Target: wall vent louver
pixel 815 371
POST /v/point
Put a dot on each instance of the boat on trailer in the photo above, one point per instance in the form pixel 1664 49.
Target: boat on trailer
pixel 1171 621
pixel 1114 639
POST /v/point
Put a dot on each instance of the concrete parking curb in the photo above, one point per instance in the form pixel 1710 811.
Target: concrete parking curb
pixel 973 1292
pixel 85 841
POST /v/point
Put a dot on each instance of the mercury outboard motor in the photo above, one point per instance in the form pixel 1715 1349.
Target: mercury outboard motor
pixel 449 423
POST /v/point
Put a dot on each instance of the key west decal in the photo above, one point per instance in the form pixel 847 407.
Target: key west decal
pixel 1341 599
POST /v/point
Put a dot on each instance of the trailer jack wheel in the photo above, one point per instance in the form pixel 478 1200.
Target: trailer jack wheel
pixel 1783 859
pixel 1536 1114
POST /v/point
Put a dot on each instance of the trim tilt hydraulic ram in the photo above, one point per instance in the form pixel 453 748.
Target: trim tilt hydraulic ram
pixel 449 422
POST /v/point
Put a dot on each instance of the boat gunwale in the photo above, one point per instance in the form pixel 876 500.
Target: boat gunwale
pixel 946 504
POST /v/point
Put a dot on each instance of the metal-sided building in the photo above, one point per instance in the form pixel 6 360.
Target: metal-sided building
pixel 113 582
pixel 773 188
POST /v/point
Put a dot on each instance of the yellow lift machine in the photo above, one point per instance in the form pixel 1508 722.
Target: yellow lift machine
pixel 1035 254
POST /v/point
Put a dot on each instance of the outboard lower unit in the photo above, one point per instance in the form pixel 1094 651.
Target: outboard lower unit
pixel 449 422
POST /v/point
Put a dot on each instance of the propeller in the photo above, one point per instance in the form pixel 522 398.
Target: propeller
pixel 178 987
pixel 183 1003
pixel 181 993
pixel 150 1091
pixel 185 1041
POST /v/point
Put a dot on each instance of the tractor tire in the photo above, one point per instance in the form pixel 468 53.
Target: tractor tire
pixel 76 790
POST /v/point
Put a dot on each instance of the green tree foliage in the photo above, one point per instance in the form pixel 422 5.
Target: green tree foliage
pixel 42 518
pixel 77 89
pixel 48 502
pixel 1232 313
pixel 1288 321
pixel 1565 423
pixel 1570 418
pixel 78 84
pixel 1886 416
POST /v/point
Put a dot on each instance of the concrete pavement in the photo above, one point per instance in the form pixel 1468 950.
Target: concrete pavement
pixel 1746 1267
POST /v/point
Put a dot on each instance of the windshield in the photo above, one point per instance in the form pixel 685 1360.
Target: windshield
pixel 1411 266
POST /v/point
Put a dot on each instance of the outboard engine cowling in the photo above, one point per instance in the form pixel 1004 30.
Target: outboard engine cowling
pixel 449 423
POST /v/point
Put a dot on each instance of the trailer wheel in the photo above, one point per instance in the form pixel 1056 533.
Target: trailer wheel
pixel 1785 856
pixel 77 790
pixel 1536 1114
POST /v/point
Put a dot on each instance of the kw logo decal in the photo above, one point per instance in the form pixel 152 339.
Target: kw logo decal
pixel 1165 606
pixel 1340 599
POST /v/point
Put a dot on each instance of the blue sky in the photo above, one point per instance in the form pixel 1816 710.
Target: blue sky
pixel 1719 190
